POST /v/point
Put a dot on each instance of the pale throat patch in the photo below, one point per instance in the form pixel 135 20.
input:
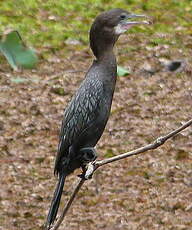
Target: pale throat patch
pixel 119 29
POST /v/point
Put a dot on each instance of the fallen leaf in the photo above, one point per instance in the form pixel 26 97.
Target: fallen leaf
pixel 16 52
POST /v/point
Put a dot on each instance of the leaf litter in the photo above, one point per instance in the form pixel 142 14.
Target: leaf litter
pixel 150 191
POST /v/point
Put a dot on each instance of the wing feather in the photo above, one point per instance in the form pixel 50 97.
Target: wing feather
pixel 79 115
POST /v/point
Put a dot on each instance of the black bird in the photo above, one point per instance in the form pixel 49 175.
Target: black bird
pixel 86 115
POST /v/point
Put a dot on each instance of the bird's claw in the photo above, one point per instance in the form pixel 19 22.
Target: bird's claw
pixel 82 176
pixel 88 170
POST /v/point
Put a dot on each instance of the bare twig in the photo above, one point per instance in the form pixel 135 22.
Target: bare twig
pixel 159 141
pixel 68 204
pixel 91 167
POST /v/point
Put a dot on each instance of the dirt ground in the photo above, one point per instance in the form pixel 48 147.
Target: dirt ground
pixel 152 191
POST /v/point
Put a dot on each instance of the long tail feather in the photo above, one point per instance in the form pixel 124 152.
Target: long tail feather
pixel 55 201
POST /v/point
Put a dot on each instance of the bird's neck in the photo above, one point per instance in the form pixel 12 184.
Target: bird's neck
pixel 108 66
pixel 102 47
pixel 106 57
pixel 105 60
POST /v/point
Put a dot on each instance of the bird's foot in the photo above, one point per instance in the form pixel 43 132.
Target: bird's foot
pixel 88 156
pixel 88 170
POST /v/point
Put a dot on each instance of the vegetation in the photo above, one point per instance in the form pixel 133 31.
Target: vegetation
pixel 50 23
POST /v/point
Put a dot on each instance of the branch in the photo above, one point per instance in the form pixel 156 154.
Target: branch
pixel 91 167
pixel 68 205
pixel 159 141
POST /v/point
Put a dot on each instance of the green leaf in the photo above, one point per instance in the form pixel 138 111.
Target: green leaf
pixel 16 52
pixel 122 71
pixel 18 80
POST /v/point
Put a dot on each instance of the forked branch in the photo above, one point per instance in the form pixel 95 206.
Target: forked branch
pixel 91 167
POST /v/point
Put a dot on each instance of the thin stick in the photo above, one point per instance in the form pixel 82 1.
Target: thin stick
pixel 95 165
pixel 159 141
pixel 68 205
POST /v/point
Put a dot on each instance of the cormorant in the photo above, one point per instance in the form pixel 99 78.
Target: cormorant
pixel 86 115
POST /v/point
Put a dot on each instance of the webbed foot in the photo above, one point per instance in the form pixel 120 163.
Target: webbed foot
pixel 88 154
pixel 87 171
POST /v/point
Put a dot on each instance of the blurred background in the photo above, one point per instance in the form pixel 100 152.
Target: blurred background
pixel 151 191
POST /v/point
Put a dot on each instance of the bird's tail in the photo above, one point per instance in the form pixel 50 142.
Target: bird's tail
pixel 55 201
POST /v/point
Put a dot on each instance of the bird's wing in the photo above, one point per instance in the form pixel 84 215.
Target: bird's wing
pixel 79 115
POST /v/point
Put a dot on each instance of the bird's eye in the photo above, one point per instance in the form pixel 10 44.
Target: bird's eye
pixel 123 16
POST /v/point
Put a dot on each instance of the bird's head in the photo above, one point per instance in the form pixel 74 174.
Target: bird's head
pixel 109 25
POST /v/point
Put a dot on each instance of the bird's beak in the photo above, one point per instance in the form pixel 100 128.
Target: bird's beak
pixel 128 23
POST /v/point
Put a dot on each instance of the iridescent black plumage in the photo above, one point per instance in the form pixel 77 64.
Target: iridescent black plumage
pixel 86 116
